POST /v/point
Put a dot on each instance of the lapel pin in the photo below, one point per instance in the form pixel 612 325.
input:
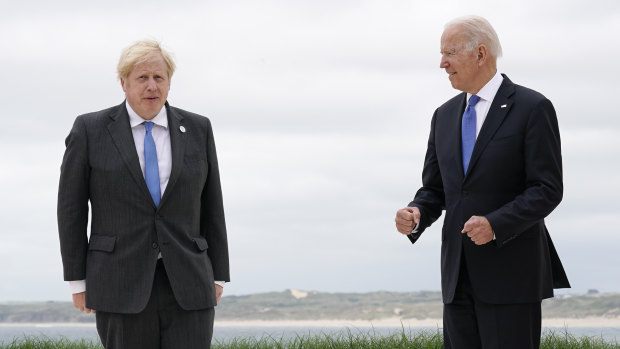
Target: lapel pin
pixel 182 128
pixel 503 106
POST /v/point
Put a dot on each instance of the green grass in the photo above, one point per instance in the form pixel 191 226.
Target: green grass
pixel 44 342
pixel 564 340
pixel 349 339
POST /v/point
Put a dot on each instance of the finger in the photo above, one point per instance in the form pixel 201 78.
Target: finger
pixel 469 225
pixel 402 228
pixel 408 226
pixel 408 210
pixel 405 223
pixel 474 238
pixel 474 234
pixel 404 215
pixel 404 231
pixel 481 242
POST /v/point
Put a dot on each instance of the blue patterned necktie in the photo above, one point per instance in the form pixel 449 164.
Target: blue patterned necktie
pixel 151 168
pixel 468 130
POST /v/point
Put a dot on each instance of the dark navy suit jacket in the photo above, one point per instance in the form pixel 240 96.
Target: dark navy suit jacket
pixel 514 180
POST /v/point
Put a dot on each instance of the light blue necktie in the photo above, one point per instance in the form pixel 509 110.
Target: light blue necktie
pixel 151 168
pixel 468 130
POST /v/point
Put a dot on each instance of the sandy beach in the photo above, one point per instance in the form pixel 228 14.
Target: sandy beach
pixel 397 322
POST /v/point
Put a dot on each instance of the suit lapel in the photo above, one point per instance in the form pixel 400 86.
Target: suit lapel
pixel 459 123
pixel 177 144
pixel 120 131
pixel 497 112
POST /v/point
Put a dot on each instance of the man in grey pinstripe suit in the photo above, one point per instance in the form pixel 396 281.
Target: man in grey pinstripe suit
pixel 150 266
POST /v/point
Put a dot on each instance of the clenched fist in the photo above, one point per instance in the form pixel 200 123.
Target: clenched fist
pixel 406 219
pixel 478 229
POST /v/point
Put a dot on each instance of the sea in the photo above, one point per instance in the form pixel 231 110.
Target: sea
pixel 222 334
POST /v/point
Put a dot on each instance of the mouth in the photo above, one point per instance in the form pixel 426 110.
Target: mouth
pixel 151 98
pixel 451 74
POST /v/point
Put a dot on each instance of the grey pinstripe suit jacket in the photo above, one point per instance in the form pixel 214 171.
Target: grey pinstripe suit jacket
pixel 127 231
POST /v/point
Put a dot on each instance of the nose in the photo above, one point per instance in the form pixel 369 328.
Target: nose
pixel 443 63
pixel 151 84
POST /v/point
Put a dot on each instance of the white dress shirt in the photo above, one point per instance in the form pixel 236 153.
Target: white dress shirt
pixel 161 136
pixel 486 94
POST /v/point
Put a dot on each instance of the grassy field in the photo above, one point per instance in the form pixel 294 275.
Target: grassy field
pixel 348 339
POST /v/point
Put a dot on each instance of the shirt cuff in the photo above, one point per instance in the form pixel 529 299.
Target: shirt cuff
pixel 220 283
pixel 415 229
pixel 77 286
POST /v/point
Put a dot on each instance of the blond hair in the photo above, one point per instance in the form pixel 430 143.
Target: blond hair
pixel 140 52
pixel 478 31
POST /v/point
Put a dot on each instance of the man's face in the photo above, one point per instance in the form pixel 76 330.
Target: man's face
pixel 461 64
pixel 146 87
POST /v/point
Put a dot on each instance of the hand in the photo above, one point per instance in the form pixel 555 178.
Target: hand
pixel 406 219
pixel 79 302
pixel 218 292
pixel 479 230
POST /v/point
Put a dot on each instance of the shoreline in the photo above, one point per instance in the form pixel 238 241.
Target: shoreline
pixel 387 322
pixel 406 323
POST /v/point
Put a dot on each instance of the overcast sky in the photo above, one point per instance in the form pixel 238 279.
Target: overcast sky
pixel 321 112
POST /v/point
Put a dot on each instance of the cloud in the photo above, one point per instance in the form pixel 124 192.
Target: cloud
pixel 321 112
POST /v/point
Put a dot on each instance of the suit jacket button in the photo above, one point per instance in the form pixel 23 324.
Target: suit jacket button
pixel 155 245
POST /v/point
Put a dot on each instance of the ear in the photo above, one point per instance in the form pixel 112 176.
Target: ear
pixel 483 54
pixel 123 85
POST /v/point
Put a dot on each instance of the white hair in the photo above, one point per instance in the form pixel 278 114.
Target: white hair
pixel 478 31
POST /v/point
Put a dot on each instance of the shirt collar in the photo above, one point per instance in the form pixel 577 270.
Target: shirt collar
pixel 160 119
pixel 488 91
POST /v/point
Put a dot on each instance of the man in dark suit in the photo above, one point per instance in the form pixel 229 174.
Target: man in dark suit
pixel 157 234
pixel 494 164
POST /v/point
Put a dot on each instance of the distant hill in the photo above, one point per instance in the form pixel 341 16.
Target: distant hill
pixel 42 312
pixel 312 305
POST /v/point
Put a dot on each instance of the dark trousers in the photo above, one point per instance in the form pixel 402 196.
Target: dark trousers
pixel 469 323
pixel 162 324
